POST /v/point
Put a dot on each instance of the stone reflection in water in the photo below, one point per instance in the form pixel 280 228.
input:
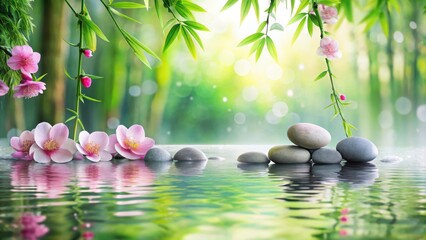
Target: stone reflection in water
pixel 253 167
pixel 159 167
pixel 190 168
pixel 302 185
pixel 327 172
pixel 359 174
pixel 50 181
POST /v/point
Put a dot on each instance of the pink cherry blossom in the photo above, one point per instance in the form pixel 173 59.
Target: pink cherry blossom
pixel 52 144
pixel 111 144
pixel 28 88
pixel 342 97
pixel 329 48
pixel 87 53
pixel 4 89
pixel 24 59
pixel 22 145
pixel 93 146
pixel 132 143
pixel 328 14
pixel 86 81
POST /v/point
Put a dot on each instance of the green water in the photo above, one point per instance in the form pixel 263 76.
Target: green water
pixel 219 199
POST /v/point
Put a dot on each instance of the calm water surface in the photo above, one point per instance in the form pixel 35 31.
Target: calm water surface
pixel 218 199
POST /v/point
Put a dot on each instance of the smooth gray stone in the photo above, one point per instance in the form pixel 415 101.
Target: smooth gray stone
pixel 288 154
pixel 326 156
pixel 357 149
pixel 308 135
pixel 391 159
pixel 158 155
pixel 253 157
pixel 190 154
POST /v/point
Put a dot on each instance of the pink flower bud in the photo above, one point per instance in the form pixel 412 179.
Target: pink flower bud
pixel 344 219
pixel 342 97
pixel 86 81
pixel 87 53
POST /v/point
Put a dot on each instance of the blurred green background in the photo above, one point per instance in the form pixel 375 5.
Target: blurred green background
pixel 225 96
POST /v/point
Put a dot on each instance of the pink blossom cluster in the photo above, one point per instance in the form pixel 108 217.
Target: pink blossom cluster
pixel 31 227
pixel 328 48
pixel 48 143
pixel 24 59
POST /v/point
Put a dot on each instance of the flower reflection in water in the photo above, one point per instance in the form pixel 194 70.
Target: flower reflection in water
pixel 49 181
pixel 31 227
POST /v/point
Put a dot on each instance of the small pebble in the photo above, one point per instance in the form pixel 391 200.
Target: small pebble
pixel 391 159
pixel 216 158
pixel 158 155
pixel 253 157
pixel 326 156
pixel 190 154
pixel 308 135
pixel 288 154
pixel 357 149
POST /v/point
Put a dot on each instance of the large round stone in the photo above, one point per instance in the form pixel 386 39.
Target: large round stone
pixel 253 157
pixel 288 154
pixel 326 156
pixel 357 149
pixel 190 154
pixel 158 155
pixel 308 135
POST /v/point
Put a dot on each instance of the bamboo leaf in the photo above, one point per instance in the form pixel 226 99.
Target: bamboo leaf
pixel 196 37
pixel 93 76
pixel 196 25
pixel 192 6
pixel 271 48
pixel 254 47
pixel 261 26
pixel 71 44
pixel 183 11
pixel 314 19
pixel 298 30
pixel 70 110
pixel 296 18
pixel 347 8
pixel 321 75
pixel 158 11
pixel 310 26
pixel 328 106
pixel 260 48
pixel 93 27
pixel 245 8
pixel 70 118
pixel 189 42
pixel 146 2
pixel 90 98
pixel 303 4
pixel 68 75
pixel 276 26
pixel 127 5
pixel 80 123
pixel 89 37
pixel 228 4
pixel 124 16
pixel 255 4
pixel 292 3
pixel 169 23
pixel 40 78
pixel 329 2
pixel 250 39
pixel 171 36
pixel 384 23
